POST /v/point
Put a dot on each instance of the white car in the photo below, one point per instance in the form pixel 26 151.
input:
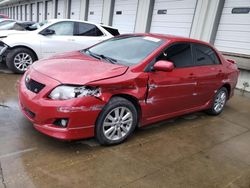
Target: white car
pixel 56 36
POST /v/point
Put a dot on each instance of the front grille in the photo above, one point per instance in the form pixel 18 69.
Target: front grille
pixel 34 86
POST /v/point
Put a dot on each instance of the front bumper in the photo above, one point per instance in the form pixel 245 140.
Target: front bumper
pixel 3 49
pixel 43 112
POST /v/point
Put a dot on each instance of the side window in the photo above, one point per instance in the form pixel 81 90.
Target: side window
pixel 180 54
pixel 205 55
pixel 63 28
pixel 85 29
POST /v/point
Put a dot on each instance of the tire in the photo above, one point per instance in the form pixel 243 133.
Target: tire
pixel 219 102
pixel 110 128
pixel 18 59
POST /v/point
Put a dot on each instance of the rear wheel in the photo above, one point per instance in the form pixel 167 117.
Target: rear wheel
pixel 19 59
pixel 219 102
pixel 116 122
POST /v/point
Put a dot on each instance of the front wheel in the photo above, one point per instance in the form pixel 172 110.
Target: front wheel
pixel 19 59
pixel 219 102
pixel 116 122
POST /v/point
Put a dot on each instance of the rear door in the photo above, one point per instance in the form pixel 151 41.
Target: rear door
pixel 208 71
pixel 172 92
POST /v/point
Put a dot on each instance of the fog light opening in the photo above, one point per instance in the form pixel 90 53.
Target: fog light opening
pixel 62 122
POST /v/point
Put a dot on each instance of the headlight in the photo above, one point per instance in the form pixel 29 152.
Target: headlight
pixel 69 92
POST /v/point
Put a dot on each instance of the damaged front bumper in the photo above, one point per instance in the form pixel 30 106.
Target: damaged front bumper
pixel 3 49
pixel 44 113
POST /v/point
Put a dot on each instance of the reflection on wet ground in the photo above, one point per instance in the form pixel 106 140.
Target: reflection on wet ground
pixel 191 151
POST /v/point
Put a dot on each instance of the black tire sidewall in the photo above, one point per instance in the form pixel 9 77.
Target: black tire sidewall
pixel 11 55
pixel 112 104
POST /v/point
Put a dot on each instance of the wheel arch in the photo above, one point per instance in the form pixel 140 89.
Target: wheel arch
pixel 228 87
pixel 22 46
pixel 134 101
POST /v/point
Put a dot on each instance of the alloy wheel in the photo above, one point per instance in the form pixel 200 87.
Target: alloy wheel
pixel 117 123
pixel 22 61
pixel 220 101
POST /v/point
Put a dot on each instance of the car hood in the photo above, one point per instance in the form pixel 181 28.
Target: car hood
pixel 4 33
pixel 76 68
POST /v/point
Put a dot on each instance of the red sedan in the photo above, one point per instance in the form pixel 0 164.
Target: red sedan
pixel 131 80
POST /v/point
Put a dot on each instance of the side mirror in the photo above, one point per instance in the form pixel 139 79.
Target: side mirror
pixel 46 32
pixel 161 65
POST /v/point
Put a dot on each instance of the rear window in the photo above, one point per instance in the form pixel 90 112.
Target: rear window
pixel 205 55
pixel 112 31
pixel 85 29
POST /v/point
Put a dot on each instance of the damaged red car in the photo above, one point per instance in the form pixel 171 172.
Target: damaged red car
pixel 125 82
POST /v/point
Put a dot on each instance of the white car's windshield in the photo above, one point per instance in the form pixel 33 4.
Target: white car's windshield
pixel 125 50
pixel 39 25
pixel 7 26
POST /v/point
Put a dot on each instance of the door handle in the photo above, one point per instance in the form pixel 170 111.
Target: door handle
pixel 71 40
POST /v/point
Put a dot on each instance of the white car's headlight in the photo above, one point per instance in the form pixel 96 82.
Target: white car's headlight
pixel 69 92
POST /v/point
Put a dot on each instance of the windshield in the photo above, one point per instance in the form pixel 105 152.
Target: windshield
pixel 38 25
pixel 125 50
pixel 7 26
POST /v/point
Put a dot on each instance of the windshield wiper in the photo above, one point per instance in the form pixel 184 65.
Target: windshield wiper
pixel 92 54
pixel 109 59
pixel 100 56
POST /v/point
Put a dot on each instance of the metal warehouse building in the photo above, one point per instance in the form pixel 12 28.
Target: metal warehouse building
pixel 224 23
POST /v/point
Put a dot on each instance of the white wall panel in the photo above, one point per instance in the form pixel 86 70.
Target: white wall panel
pixel 49 10
pixel 176 20
pixel 60 8
pixel 233 33
pixel 125 15
pixel 40 12
pixel 75 9
pixel 95 11
pixel 34 12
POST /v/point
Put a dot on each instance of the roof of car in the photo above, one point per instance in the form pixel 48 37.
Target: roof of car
pixel 61 19
pixel 172 38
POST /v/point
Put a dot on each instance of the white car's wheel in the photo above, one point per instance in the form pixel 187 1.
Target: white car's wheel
pixel 19 59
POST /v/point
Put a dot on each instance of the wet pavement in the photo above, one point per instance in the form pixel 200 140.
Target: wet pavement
pixel 193 151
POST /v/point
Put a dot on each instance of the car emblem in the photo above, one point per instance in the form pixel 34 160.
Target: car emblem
pixel 27 78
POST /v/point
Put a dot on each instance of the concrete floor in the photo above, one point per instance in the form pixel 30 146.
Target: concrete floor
pixel 192 151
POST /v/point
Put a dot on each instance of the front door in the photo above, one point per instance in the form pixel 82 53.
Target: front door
pixel 61 41
pixel 172 92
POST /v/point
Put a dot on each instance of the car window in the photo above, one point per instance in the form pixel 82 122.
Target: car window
pixel 112 31
pixel 85 29
pixel 179 54
pixel 63 28
pixel 205 55
pixel 18 27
